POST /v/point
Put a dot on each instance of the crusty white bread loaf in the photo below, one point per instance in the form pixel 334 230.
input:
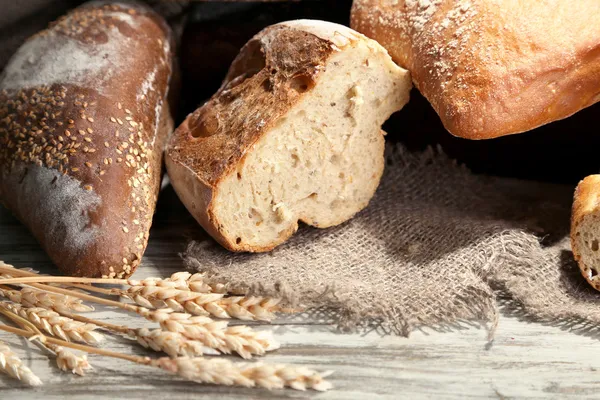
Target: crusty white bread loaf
pixel 83 123
pixel 585 228
pixel 494 67
pixel 293 134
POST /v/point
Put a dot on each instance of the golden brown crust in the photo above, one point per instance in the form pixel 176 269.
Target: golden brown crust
pixel 492 68
pixel 80 162
pixel 272 70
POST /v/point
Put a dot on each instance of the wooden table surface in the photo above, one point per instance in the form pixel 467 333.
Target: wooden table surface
pixel 527 360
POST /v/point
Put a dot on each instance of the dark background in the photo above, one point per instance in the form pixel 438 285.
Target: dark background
pixel 211 34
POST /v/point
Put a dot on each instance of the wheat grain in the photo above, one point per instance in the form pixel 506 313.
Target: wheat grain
pixel 224 372
pixel 12 365
pixel 55 324
pixel 69 361
pixel 30 297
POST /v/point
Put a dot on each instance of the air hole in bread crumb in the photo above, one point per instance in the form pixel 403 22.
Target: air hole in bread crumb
pixel 595 245
pixel 204 123
pixel 238 240
pixel 268 85
pixel 295 160
pixel 302 83
pixel 593 273
pixel 239 176
pixel 253 60
pixel 313 196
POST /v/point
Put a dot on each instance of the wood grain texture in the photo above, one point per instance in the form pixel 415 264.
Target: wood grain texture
pixel 527 360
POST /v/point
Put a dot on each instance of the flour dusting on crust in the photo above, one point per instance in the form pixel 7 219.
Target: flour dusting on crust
pixel 56 58
pixel 57 202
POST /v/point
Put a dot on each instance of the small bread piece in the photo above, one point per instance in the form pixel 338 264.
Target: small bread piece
pixel 83 123
pixel 585 229
pixel 293 134
pixel 495 67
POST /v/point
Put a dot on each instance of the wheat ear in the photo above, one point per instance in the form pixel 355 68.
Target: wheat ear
pixel 224 372
pixel 36 298
pixel 183 281
pixel 242 340
pixel 196 303
pixel 179 280
pixel 182 292
pixel 211 333
pixel 69 361
pixel 172 343
pixel 54 324
pixel 65 359
pixel 12 365
pixel 204 370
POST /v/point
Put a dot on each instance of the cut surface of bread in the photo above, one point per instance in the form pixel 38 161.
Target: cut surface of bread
pixel 492 67
pixel 314 149
pixel 585 229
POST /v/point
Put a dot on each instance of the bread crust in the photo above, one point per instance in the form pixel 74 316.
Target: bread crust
pixel 84 118
pixel 269 76
pixel 492 68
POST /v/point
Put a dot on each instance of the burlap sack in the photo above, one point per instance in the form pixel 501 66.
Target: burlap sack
pixel 436 245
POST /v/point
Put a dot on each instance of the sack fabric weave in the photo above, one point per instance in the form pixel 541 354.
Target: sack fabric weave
pixel 436 245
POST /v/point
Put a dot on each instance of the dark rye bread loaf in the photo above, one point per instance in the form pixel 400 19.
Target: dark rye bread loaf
pixel 83 120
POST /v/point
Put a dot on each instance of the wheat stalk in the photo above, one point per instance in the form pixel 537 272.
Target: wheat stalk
pixel 224 372
pixel 217 371
pixel 65 359
pixel 30 297
pixel 172 343
pixel 212 333
pixel 179 280
pixel 182 292
pixel 55 324
pixel 12 365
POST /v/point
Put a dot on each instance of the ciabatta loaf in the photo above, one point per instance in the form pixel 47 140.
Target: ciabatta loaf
pixel 294 134
pixel 585 229
pixel 492 67
pixel 83 123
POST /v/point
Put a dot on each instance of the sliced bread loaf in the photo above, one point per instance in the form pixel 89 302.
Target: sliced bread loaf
pixel 293 134
pixel 585 229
